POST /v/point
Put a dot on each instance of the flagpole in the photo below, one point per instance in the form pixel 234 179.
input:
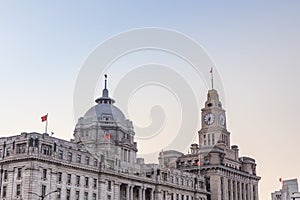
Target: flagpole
pixel 212 78
pixel 46 127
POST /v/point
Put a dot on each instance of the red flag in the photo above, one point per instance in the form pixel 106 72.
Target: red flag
pixel 198 163
pixel 44 118
pixel 280 179
pixel 107 136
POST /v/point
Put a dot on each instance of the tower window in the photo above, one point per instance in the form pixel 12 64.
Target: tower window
pixel 209 104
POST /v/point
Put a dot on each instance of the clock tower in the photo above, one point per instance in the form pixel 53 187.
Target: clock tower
pixel 213 127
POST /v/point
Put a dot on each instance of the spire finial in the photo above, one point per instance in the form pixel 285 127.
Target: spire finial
pixel 212 77
pixel 105 82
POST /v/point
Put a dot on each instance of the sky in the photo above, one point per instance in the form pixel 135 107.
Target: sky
pixel 254 46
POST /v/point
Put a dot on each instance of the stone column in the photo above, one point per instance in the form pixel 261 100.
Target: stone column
pixel 140 193
pixel 117 191
pixel 144 194
pixel 127 192
pixel 131 192
pixel 152 194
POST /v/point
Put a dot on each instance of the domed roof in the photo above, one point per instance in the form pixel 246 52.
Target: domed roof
pixel 105 112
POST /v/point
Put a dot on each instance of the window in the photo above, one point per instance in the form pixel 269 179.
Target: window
pixel 5 175
pixel 208 135
pixel 59 177
pixel 8 151
pixel 95 162
pixel 43 190
pixel 44 174
pixel 60 154
pixel 19 173
pixel 125 155
pixel 95 196
pixel 58 193
pixel 86 195
pixel 77 180
pixel 87 160
pixel 46 149
pixel 4 191
pixel 68 197
pixel 129 156
pixel 86 182
pixel 109 185
pixel 95 183
pixel 213 139
pixel 70 156
pixel 77 195
pixel 18 192
pixel 69 176
pixel 78 159
pixel 21 148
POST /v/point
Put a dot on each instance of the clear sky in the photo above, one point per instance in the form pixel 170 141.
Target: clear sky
pixel 255 46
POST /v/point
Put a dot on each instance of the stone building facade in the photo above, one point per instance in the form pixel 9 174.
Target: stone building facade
pixel 100 163
pixel 227 175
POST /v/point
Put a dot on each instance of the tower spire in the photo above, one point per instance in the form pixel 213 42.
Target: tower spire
pixel 105 99
pixel 212 77
pixel 105 82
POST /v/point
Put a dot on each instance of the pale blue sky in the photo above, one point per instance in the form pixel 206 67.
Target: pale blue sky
pixel 255 46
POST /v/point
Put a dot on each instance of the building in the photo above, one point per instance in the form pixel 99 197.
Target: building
pixel 99 163
pixel 289 191
pixel 227 175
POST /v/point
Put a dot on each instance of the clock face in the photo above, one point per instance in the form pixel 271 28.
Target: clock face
pixel 209 119
pixel 222 119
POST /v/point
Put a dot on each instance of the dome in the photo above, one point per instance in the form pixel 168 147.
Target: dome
pixel 105 112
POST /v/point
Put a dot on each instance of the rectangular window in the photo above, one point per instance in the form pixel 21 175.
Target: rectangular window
pixel 86 195
pixel 208 135
pixel 59 177
pixel 46 149
pixel 21 148
pixel 18 192
pixel 125 155
pixel 77 195
pixel 95 162
pixel 44 174
pixel 69 176
pixel 43 190
pixel 70 155
pixel 109 185
pixel 129 156
pixel 87 160
pixel 78 159
pixel 78 180
pixel 19 173
pixel 95 197
pixel 8 151
pixel 58 194
pixel 68 197
pixel 213 139
pixel 95 183
pixel 4 190
pixel 5 175
pixel 86 183
pixel 60 154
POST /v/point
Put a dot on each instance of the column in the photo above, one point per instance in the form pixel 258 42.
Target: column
pixel 144 194
pixel 117 191
pixel 127 192
pixel 152 194
pixel 131 192
pixel 140 193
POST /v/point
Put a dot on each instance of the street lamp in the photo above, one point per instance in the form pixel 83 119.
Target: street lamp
pixel 43 196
